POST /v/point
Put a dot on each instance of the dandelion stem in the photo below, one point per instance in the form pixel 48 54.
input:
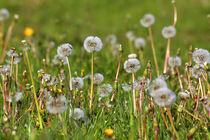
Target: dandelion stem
pixel 91 90
pixel 167 56
pixel 164 118
pixel 180 80
pixel 175 12
pixel 134 94
pixel 70 80
pixel 35 98
pixel 172 123
pixel 153 51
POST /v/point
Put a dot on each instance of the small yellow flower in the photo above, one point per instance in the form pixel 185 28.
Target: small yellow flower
pixel 28 31
pixel 59 91
pixel 42 111
pixel 109 132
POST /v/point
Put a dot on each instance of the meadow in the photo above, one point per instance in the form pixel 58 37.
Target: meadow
pixel 99 69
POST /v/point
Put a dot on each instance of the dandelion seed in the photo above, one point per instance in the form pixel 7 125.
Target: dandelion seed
pixel 130 35
pixel 132 64
pixel 127 87
pixel 147 20
pixel 98 78
pixel 93 44
pixel 174 61
pixel 139 43
pixel 14 97
pixel 112 39
pixel 77 82
pixel 184 95
pixel 198 71
pixel 169 32
pixel 4 14
pixel 57 105
pixel 200 56
pixel 104 90
pixel 65 50
pixel 164 97
pixel 76 114
pixel 59 59
pixel 155 85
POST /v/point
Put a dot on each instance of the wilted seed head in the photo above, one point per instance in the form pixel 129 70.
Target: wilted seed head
pixel 12 52
pixel 98 78
pixel 164 97
pixel 200 56
pixel 155 85
pixel 126 87
pixel 112 39
pixel 174 61
pixel 14 97
pixel 4 14
pixel 16 60
pixel 208 105
pixel 5 68
pixel 132 64
pixel 147 20
pixel 57 104
pixel 65 50
pixel 59 59
pixel 130 35
pixel 169 32
pixel 46 78
pixel 146 81
pixel 139 43
pixel 184 95
pixel 77 82
pixel 104 90
pixel 53 81
pixel 116 48
pixel 198 71
pixel 93 44
pixel 76 114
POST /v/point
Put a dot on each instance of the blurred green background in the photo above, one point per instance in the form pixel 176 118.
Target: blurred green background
pixel 73 20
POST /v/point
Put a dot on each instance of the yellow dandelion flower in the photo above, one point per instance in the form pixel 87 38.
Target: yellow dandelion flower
pixel 59 91
pixel 108 132
pixel 28 31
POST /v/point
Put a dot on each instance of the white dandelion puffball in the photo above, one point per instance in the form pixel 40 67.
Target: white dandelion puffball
pixel 65 50
pixel 126 87
pixel 184 95
pixel 57 105
pixel 112 39
pixel 165 97
pixel 198 71
pixel 147 20
pixel 59 59
pixel 5 68
pixel 174 61
pixel 200 56
pixel 98 78
pixel 155 85
pixel 15 97
pixel 76 114
pixel 132 65
pixel 4 14
pixel 139 43
pixel 93 44
pixel 77 82
pixel 130 35
pixel 169 32
pixel 11 53
pixel 16 60
pixel 144 81
pixel 104 90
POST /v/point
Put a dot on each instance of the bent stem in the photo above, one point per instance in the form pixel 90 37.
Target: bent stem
pixel 179 77
pixel 91 90
pixel 167 56
pixel 70 80
pixel 35 98
pixel 172 123
pixel 153 51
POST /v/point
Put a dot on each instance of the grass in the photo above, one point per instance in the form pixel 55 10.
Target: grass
pixel 72 21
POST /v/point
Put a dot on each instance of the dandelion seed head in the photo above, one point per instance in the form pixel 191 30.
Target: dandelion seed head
pixel 155 85
pixel 16 60
pixel 147 20
pixel 104 90
pixel 4 14
pixel 77 82
pixel 174 61
pixel 144 81
pixel 139 43
pixel 14 97
pixel 132 65
pixel 53 81
pixel 133 55
pixel 184 95
pixel 12 53
pixel 208 105
pixel 5 68
pixel 59 59
pixel 130 35
pixel 200 56
pixel 169 32
pixel 65 50
pixel 98 78
pixel 57 105
pixel 112 39
pixel 126 87
pixel 76 114
pixel 164 97
pixel 93 44
pixel 198 71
